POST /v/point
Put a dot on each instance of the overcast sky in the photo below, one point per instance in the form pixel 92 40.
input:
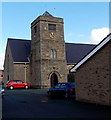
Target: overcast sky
pixel 84 22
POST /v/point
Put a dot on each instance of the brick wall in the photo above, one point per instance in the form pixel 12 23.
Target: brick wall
pixel 110 73
pixel 1 75
pixel 93 78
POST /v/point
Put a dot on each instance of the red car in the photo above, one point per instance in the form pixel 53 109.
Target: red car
pixel 17 84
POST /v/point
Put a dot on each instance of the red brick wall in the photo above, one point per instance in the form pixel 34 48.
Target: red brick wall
pixel 1 74
pixel 93 81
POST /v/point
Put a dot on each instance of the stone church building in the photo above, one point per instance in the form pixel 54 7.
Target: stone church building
pixel 46 59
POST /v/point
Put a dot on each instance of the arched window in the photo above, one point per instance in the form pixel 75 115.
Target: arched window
pixel 53 53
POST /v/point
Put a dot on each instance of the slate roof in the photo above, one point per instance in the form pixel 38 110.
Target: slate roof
pixel 96 49
pixel 74 52
pixel 20 49
pixel 47 14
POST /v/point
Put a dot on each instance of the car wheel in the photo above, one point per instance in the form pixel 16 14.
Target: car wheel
pixel 11 87
pixel 66 95
pixel 26 87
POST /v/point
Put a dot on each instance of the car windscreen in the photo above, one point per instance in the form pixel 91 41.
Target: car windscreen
pixel 8 81
pixel 72 85
pixel 57 86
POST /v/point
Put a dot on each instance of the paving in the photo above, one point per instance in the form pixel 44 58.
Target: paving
pixel 35 104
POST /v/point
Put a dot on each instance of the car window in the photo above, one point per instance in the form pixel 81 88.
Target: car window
pixel 57 86
pixel 19 81
pixel 14 82
pixel 63 85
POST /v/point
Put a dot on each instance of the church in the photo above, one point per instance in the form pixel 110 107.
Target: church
pixel 44 60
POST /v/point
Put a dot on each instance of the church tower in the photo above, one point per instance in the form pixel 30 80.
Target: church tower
pixel 48 58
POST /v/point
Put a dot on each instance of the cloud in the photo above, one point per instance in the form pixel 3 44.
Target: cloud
pixel 98 35
pixel 1 60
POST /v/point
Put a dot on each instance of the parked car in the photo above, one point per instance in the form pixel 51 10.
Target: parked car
pixel 2 91
pixel 62 90
pixel 17 84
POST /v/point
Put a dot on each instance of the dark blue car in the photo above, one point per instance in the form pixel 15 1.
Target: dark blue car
pixel 62 90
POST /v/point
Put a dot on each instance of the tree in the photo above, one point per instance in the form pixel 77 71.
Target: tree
pixel 71 77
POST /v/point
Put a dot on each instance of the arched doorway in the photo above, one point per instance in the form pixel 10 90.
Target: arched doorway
pixel 54 79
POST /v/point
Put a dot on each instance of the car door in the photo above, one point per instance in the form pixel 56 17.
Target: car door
pixel 14 83
pixel 20 84
pixel 56 89
pixel 63 89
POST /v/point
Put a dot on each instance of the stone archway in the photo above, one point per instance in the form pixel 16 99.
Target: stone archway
pixel 53 79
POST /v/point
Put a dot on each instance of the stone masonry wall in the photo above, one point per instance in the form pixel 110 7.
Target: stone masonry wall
pixel 51 66
pixel 22 72
pixel 42 44
pixel 92 78
pixel 69 66
pixel 8 65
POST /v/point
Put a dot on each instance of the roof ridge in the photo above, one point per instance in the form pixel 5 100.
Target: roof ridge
pixel 80 43
pixel 65 42
pixel 18 39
